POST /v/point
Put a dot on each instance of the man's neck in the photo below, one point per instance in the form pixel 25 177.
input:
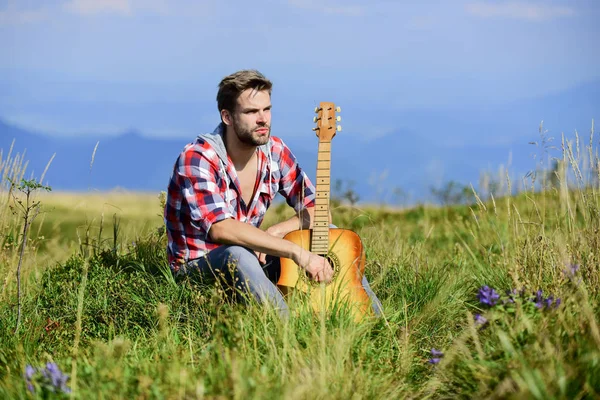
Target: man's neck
pixel 240 153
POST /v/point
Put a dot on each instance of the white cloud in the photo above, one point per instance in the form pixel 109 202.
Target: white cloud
pixel 92 7
pixel 131 7
pixel 13 14
pixel 323 6
pixel 21 17
pixel 519 10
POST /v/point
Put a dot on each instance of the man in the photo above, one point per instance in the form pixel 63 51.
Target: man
pixel 221 187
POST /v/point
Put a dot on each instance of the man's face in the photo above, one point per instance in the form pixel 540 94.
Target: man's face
pixel 251 119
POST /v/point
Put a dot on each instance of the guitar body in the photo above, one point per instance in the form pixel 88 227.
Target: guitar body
pixel 347 257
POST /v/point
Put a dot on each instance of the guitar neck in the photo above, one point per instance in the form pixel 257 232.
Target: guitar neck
pixel 320 236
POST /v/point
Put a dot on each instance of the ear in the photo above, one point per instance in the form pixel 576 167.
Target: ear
pixel 226 117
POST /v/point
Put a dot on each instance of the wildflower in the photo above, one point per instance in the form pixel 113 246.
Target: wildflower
pixel 436 356
pixel 571 273
pixel 480 319
pixel 488 296
pixel 548 301
pixel 571 270
pixel 557 303
pixel 538 299
pixel 551 303
pixel 52 378
pixel 29 372
pixel 511 296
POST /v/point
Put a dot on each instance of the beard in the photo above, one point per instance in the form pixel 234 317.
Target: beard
pixel 249 136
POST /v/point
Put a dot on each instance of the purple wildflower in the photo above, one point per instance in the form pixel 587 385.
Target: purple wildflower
pixel 53 378
pixel 551 303
pixel 557 303
pixel 571 270
pixel 58 379
pixel 488 296
pixel 29 371
pixel 480 319
pixel 436 356
pixel 436 353
pixel 548 301
pixel 571 273
pixel 538 299
pixel 511 296
pixel 574 268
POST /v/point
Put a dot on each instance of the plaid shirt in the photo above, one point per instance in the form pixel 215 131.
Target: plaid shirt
pixel 203 190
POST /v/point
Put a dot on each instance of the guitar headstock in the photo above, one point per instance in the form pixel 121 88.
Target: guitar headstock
pixel 326 121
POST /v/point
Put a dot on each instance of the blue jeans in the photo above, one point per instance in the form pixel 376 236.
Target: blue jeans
pixel 239 268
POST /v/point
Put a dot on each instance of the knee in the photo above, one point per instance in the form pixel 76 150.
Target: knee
pixel 239 255
pixel 236 251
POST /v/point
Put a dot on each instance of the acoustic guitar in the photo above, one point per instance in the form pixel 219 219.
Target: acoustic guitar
pixel 341 247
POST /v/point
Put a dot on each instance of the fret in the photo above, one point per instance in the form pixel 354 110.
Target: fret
pixel 320 236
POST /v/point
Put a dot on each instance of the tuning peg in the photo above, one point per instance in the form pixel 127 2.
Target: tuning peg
pixel 315 129
pixel 316 109
pixel 338 109
pixel 339 128
pixel 338 118
pixel 315 119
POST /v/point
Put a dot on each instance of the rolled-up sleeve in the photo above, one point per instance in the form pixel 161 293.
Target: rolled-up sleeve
pixel 198 183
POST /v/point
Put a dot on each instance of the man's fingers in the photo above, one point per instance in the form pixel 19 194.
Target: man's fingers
pixel 329 274
pixel 319 276
pixel 262 257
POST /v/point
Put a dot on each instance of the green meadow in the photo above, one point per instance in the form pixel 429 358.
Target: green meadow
pixel 498 297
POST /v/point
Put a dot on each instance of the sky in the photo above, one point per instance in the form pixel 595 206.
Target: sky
pixel 101 67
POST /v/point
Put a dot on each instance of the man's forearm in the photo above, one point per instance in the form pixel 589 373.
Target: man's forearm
pixel 283 228
pixel 231 231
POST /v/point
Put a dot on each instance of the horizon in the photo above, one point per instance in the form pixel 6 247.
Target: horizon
pixel 100 67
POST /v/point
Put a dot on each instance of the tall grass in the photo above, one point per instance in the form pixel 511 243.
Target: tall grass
pixel 111 315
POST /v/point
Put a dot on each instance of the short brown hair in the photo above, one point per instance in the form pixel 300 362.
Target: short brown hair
pixel 233 85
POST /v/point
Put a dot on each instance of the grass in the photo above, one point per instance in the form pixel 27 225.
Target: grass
pixel 99 302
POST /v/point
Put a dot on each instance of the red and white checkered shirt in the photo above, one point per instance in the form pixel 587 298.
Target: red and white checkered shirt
pixel 205 189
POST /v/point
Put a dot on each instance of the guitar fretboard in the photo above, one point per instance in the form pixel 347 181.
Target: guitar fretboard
pixel 320 236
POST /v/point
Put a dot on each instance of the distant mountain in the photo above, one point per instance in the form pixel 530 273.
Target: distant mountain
pixel 134 162
pixel 428 148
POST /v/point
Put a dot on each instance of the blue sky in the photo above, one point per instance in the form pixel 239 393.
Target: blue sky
pixel 96 67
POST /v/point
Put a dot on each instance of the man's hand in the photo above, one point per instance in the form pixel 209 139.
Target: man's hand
pixel 262 257
pixel 317 267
